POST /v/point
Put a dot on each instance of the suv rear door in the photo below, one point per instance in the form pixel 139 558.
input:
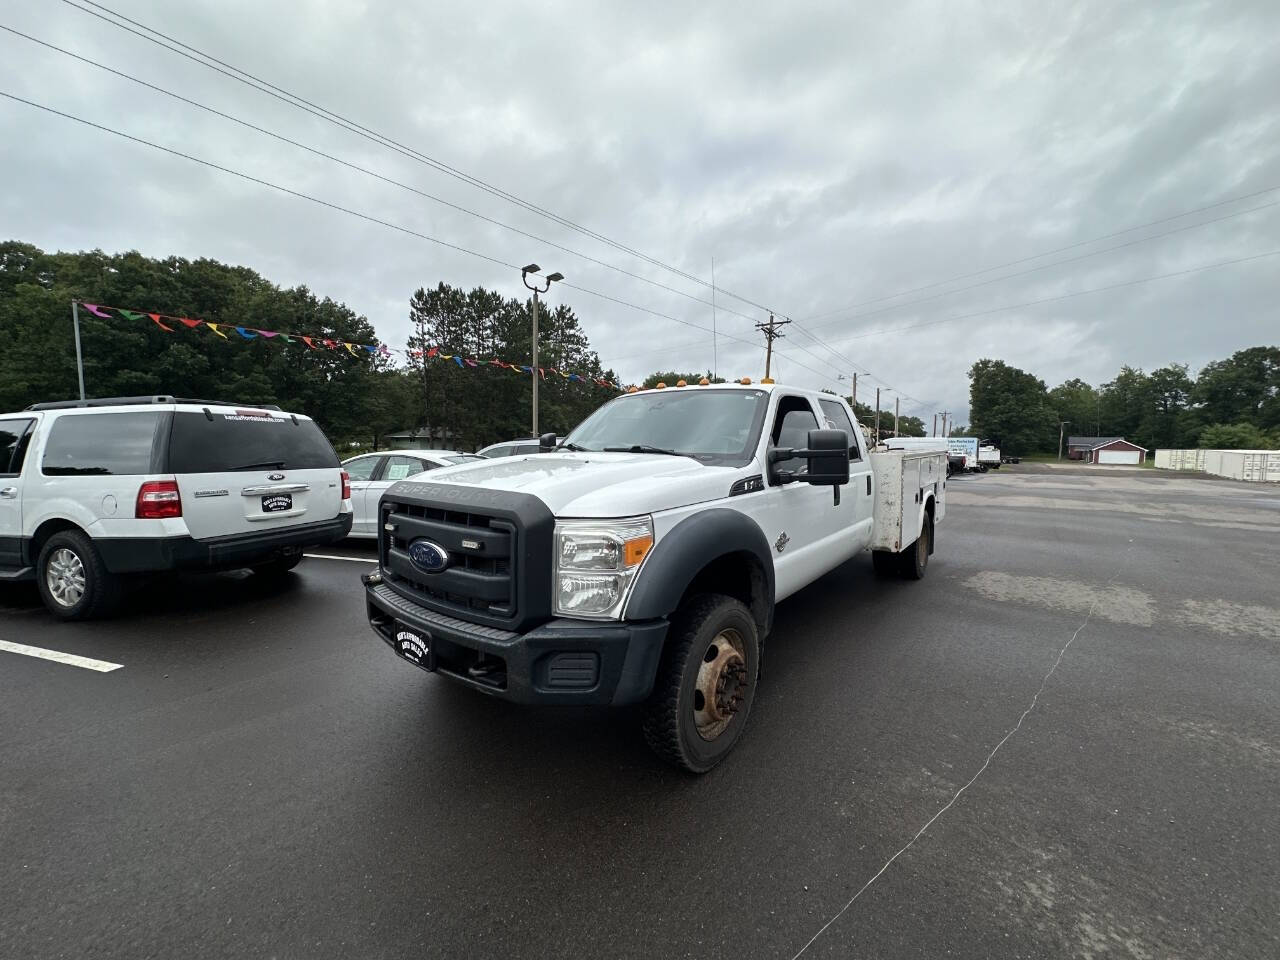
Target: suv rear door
pixel 251 471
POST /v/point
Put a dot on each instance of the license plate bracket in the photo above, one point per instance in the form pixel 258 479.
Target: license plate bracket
pixel 416 646
pixel 277 502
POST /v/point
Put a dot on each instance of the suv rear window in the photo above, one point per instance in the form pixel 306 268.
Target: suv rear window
pixel 236 442
pixel 101 444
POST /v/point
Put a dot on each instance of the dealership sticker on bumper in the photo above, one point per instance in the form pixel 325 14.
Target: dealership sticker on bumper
pixel 416 647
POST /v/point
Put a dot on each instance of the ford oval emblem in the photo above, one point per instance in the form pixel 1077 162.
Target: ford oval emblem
pixel 428 556
pixel 275 476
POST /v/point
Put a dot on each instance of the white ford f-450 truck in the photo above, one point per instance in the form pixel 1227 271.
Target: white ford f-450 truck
pixel 641 561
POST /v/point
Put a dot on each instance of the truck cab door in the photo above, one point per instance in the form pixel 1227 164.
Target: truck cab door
pixel 861 484
pixel 808 531
pixel 15 435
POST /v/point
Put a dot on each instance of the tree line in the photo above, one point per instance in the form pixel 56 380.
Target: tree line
pixel 357 400
pixel 1231 404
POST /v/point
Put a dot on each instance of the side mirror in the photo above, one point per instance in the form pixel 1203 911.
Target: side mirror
pixel 828 457
pixel 546 443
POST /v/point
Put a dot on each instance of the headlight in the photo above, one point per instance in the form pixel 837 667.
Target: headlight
pixel 595 563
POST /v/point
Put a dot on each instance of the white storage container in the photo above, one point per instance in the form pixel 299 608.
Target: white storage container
pixel 1162 459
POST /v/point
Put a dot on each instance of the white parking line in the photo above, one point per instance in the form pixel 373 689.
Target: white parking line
pixel 332 556
pixel 102 666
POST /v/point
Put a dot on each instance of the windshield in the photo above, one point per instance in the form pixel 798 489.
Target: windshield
pixel 703 423
pixel 465 458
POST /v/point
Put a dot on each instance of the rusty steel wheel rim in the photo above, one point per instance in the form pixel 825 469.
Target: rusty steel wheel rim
pixel 721 685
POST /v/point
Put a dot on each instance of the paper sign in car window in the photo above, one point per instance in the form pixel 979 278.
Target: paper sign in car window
pixel 398 471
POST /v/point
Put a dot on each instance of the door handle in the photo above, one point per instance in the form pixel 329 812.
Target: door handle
pixel 9 493
pixel 868 484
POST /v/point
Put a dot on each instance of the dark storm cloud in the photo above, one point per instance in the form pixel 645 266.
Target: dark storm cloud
pixel 824 155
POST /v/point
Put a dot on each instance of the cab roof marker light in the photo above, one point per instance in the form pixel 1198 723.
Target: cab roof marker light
pixel 704 382
pixel 682 383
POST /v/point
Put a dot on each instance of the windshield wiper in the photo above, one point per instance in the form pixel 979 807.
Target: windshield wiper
pixel 644 448
pixel 279 464
pixel 573 447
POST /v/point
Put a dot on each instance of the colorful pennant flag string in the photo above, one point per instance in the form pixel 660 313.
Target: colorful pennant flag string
pixel 247 333
pixel 314 342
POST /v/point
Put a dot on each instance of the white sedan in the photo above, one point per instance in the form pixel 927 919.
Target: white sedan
pixel 373 473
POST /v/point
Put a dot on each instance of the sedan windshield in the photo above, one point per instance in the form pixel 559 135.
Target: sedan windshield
pixel 464 458
pixel 698 422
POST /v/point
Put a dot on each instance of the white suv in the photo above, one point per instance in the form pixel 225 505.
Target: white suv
pixel 94 490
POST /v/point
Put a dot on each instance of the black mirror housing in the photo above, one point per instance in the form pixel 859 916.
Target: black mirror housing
pixel 828 456
pixel 546 443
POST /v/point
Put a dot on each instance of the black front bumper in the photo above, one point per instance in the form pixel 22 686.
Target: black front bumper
pixel 559 662
pixel 139 555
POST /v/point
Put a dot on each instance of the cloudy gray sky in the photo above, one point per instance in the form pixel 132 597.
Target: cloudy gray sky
pixel 828 156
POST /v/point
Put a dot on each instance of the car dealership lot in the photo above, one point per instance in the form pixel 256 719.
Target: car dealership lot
pixel 262 777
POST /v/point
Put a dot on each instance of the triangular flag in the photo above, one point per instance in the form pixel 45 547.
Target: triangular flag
pixel 214 328
pixel 370 348
pixel 331 344
pixel 351 348
pixel 307 341
pixel 471 363
pixel 246 333
pixel 457 360
pixel 268 334
pixel 94 309
pixel 159 323
pixel 432 352
pixel 188 321
pixel 286 338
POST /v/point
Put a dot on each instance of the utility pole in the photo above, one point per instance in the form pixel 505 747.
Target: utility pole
pixel 896 401
pixel 935 426
pixel 770 331
pixel 534 373
pixel 877 414
pixel 1061 424
pixel 75 322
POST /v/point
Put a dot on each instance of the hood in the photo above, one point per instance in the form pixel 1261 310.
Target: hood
pixel 598 484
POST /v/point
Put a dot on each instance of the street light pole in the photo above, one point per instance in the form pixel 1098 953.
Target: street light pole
pixel 1061 425
pixel 550 278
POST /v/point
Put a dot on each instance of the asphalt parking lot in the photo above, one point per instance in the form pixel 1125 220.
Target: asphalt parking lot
pixel 261 777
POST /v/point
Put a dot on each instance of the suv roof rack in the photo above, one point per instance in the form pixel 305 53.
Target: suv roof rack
pixel 137 401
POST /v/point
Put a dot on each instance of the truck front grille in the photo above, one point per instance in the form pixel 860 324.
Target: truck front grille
pixel 480 576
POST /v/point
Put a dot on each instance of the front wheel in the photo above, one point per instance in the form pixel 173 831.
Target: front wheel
pixel 706 683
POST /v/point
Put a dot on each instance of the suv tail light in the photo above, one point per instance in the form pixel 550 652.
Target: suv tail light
pixel 346 485
pixel 158 499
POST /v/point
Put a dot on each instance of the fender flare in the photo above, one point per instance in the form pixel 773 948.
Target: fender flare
pixel 686 549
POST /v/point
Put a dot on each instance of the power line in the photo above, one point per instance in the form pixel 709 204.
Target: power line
pixel 400 228
pixel 1065 296
pixel 1055 263
pixel 364 170
pixel 242 76
pixel 1046 253
pixel 341 209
